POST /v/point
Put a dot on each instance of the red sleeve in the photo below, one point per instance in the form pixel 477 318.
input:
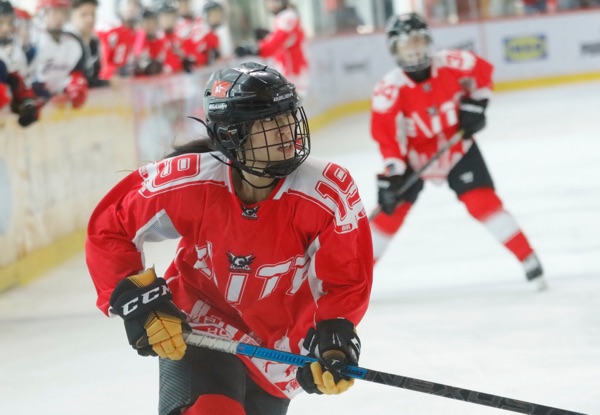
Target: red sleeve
pixel 343 254
pixel 285 23
pixel 273 43
pixel 107 67
pixel 141 207
pixel 385 109
pixel 345 262
pixel 111 254
pixel 473 72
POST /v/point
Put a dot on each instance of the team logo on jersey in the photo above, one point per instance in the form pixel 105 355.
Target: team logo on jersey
pixel 250 213
pixel 219 89
pixel 432 111
pixel 240 262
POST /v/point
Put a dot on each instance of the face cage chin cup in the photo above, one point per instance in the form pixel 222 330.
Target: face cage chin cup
pixel 279 168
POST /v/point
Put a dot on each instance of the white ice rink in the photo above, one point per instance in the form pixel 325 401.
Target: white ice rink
pixel 449 304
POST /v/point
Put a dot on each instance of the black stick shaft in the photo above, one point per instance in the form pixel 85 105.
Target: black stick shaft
pixel 446 391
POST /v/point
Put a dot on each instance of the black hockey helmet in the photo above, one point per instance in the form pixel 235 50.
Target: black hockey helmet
pixel 409 40
pixel 246 107
pixel 6 8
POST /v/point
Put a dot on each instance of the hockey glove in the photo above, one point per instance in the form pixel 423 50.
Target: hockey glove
pixel 260 33
pixel 29 111
pixel 471 115
pixel 388 195
pixel 152 322
pixel 335 343
pixel 242 51
pixel 77 90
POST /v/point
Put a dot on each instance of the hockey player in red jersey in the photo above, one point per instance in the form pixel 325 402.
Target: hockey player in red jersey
pixel 167 21
pixel 150 49
pixel 275 250
pixel 200 42
pixel 284 44
pixel 434 96
pixel 58 64
pixel 117 42
pixel 13 70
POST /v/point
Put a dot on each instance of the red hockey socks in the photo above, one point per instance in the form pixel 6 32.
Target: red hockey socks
pixel 485 206
pixel 215 405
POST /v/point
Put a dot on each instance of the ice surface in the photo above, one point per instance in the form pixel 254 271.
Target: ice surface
pixel 449 304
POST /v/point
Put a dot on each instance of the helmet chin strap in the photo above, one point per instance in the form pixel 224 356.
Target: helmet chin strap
pixel 241 173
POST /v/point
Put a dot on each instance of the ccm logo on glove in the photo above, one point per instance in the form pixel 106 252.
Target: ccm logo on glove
pixel 146 298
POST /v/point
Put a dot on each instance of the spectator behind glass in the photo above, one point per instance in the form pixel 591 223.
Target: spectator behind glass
pixel 284 44
pixel 150 49
pixel 23 24
pixel 57 67
pixel 167 20
pixel 200 43
pixel 117 42
pixel 345 18
pixel 83 22
pixel 13 70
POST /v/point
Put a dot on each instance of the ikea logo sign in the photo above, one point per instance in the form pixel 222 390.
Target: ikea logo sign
pixel 525 48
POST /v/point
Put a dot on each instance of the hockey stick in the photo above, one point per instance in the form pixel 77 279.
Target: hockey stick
pixel 416 175
pixel 235 347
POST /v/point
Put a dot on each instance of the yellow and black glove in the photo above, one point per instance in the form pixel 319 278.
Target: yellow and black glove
pixel 152 322
pixel 335 343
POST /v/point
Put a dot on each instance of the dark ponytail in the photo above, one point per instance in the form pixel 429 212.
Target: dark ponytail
pixel 201 145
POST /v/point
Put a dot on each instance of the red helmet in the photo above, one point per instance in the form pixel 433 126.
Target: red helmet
pixel 22 14
pixel 46 4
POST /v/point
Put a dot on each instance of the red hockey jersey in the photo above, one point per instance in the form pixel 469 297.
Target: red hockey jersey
pixel 411 121
pixel 285 45
pixel 117 45
pixel 261 273
pixel 199 42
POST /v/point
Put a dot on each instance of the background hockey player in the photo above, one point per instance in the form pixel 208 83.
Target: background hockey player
pixel 267 234
pixel 200 42
pixel 117 42
pixel 58 65
pixel 150 48
pixel 14 92
pixel 167 21
pixel 435 95
pixel 83 22
pixel 285 44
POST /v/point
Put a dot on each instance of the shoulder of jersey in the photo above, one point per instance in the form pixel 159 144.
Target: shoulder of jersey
pixel 453 59
pixel 385 92
pixel 188 170
pixel 305 182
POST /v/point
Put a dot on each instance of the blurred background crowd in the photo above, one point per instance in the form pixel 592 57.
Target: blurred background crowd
pixel 57 49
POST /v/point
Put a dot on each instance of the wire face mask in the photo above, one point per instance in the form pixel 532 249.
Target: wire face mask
pixel 413 51
pixel 275 146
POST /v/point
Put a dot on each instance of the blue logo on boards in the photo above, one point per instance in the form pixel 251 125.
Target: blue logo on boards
pixel 525 48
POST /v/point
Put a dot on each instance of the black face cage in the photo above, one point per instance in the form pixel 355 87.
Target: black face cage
pixel 419 60
pixel 274 150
